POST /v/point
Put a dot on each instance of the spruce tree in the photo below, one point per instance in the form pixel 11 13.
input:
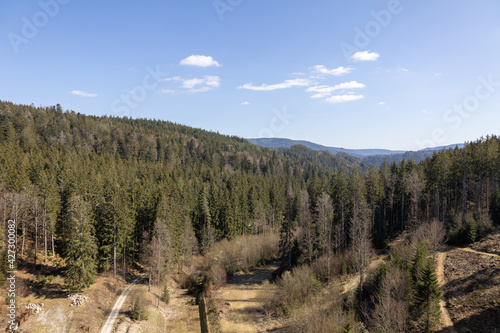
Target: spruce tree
pixel 81 249
pixel 427 298
pixel 291 218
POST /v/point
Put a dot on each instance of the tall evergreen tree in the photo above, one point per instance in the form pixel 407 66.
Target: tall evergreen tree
pixel 288 225
pixel 427 298
pixel 81 250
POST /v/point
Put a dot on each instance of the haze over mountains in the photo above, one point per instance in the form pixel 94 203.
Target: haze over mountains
pixel 372 155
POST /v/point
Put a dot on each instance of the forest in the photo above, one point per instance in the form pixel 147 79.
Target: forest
pixel 111 194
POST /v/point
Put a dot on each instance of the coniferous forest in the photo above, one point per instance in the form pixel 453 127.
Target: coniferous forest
pixel 111 194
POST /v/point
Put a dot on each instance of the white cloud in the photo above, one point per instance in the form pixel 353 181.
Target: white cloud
pixel 325 91
pixel 168 91
pixel 365 56
pixel 194 85
pixel 212 81
pixel 336 71
pixel 282 85
pixel 245 103
pixel 200 61
pixel 343 98
pixel 201 89
pixel 83 93
pixel 381 103
pixel 191 83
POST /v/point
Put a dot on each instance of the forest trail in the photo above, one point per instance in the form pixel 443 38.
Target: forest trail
pixel 468 249
pixel 445 316
pixel 243 300
pixel 108 326
pixel 352 281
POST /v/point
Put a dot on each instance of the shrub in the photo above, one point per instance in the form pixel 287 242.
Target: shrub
pixel 139 306
pixel 166 294
pixel 294 288
pixel 40 282
pixel 217 275
pixel 243 253
pixel 390 313
pixel 193 284
pixel 327 266
pixel 431 233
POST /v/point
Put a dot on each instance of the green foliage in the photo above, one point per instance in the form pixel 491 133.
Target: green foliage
pixel 42 280
pixel 82 249
pixel 495 206
pixel 132 172
pixel 373 284
pixel 419 263
pixel 193 284
pixel 344 267
pixel 426 300
pixel 471 230
pixel 4 265
pixel 139 307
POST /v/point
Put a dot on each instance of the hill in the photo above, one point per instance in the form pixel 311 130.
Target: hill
pixel 368 156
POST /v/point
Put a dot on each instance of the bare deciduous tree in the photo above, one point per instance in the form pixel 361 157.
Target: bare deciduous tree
pixel 390 314
pixel 361 236
pixel 158 255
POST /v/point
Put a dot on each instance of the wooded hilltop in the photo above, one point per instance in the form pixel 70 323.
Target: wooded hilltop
pixel 113 194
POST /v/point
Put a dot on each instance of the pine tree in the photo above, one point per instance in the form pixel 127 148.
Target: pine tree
pixel 81 249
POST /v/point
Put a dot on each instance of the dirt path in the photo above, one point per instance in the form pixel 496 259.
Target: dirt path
pixel 445 316
pixel 468 249
pixel 243 300
pixel 108 326
pixel 352 281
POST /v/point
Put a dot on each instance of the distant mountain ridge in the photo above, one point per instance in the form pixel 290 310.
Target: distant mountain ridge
pixel 287 143
pixel 375 156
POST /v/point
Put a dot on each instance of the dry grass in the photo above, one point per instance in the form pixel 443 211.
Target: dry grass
pixel 57 315
pixel 323 312
pixel 242 301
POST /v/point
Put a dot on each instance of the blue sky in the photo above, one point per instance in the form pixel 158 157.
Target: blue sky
pixel 355 74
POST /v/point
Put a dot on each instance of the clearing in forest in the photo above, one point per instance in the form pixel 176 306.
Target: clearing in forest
pixel 243 300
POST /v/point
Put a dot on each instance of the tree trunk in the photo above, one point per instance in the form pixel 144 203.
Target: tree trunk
pixel 45 238
pixel 114 250
pixel 22 246
pixel 36 237
pixel 342 241
pixel 464 194
pixel 124 260
pixel 53 249
pixel 402 209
